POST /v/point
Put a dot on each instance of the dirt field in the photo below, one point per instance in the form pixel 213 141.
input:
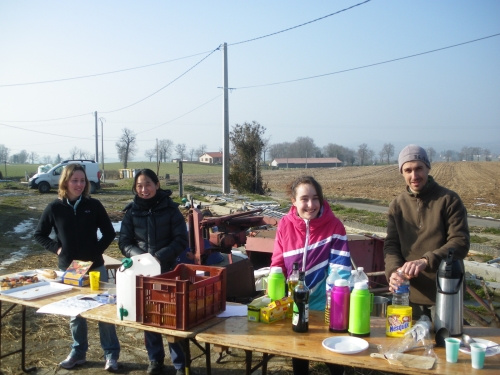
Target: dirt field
pixel 477 183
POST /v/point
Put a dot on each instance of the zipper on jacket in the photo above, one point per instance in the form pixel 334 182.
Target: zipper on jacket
pixel 419 212
pixel 304 257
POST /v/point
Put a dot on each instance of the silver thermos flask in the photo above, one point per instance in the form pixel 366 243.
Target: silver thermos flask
pixel 449 295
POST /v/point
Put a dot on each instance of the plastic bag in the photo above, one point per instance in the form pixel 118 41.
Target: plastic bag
pixel 417 337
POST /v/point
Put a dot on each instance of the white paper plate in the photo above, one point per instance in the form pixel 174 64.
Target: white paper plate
pixel 345 344
pixel 489 352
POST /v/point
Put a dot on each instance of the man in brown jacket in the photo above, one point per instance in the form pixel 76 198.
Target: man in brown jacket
pixel 423 223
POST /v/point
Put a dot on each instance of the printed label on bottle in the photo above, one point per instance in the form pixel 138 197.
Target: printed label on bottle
pixel 306 312
pixel 403 289
pixel 295 318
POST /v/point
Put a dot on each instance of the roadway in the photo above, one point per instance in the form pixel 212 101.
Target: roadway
pixel 473 221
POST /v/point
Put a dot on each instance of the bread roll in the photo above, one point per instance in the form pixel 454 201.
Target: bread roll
pixel 48 274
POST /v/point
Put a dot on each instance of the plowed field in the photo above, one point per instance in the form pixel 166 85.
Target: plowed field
pixel 477 183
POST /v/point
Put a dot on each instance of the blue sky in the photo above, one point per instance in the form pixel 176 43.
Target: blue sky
pixel 446 99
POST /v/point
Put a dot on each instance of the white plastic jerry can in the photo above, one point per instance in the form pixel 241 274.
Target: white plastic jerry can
pixel 145 265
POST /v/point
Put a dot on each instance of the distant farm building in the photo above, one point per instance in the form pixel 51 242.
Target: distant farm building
pixel 211 158
pixel 306 163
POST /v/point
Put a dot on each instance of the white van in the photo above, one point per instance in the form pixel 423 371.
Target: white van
pixel 50 179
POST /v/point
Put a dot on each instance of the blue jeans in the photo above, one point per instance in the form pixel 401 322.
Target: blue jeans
pixel 154 345
pixel 107 332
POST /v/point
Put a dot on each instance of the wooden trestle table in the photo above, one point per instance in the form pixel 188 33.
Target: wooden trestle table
pixel 105 313
pixel 279 339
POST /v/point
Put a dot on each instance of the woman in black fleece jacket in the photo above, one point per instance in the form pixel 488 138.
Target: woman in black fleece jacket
pixel 153 224
pixel 75 218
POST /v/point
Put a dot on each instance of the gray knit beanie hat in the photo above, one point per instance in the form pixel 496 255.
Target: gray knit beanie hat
pixel 413 153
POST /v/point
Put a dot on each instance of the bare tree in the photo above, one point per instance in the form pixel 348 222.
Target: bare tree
pixel 466 153
pixel 201 150
pixel 431 153
pixel 58 159
pixel 388 149
pixel 150 154
pixel 280 150
pixel 73 152
pixel 381 155
pixel 266 145
pixel 476 151
pixel 180 149
pixel 165 147
pixel 22 157
pixel 126 146
pixel 47 159
pixel 304 147
pixel 33 156
pixel 4 154
pixel 363 153
pixel 487 154
pixel 448 154
pixel 191 153
pixel 84 154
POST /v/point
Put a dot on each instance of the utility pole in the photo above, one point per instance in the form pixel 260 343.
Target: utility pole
pixel 225 131
pixel 102 147
pixel 96 140
pixel 157 160
pixel 181 187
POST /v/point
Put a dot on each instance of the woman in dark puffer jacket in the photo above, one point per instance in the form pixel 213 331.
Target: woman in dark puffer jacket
pixel 153 224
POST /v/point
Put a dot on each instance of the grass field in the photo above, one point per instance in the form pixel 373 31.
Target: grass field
pixel 18 171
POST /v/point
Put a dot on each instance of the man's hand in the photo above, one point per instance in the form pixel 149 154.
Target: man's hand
pixel 410 269
pixel 413 268
pixel 394 282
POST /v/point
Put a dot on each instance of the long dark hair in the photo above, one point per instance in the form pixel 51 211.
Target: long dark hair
pixel 308 180
pixel 149 173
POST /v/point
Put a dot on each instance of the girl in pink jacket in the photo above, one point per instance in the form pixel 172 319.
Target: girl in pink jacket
pixel 313 236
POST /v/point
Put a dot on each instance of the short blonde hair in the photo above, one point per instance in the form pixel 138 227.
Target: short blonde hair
pixel 66 175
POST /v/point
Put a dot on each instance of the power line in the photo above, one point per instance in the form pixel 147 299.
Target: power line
pixel 101 74
pixel 179 58
pixel 51 119
pixel 168 122
pixel 37 131
pixel 302 24
pixel 367 66
pixel 165 123
pixel 168 84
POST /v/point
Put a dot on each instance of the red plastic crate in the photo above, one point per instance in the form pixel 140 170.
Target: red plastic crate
pixel 181 299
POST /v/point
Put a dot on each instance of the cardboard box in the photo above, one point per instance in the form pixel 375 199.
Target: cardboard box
pixel 76 274
pixel 275 311
pixel 255 306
